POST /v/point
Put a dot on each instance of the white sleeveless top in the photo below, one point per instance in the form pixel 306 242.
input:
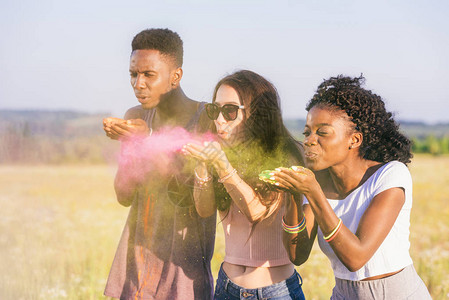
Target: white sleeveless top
pixel 393 253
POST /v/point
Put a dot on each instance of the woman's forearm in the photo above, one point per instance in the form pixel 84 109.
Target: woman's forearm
pixel 354 250
pixel 346 245
pixel 245 198
pixel 203 191
pixel 298 245
pixel 204 197
pixel 322 211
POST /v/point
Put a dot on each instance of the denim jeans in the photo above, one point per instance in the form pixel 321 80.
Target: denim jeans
pixel 284 290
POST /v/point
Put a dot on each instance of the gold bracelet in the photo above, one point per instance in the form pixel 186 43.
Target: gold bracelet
pixel 227 176
pixel 200 179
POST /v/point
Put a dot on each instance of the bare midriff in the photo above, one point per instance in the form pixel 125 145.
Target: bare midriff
pixel 256 277
pixel 382 275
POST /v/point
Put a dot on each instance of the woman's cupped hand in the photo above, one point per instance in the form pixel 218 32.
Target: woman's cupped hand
pixel 296 180
pixel 207 152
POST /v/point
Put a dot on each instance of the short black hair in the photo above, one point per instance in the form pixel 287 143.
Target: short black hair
pixel 167 42
pixel 382 140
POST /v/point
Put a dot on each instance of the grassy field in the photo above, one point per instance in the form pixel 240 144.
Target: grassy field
pixel 61 224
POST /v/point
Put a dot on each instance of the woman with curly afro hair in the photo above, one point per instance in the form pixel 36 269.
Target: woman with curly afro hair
pixel 358 194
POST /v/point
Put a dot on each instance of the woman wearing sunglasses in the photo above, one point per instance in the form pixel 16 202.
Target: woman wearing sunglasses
pixel 252 136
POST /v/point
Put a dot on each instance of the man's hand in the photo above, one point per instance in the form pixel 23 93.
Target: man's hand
pixel 117 129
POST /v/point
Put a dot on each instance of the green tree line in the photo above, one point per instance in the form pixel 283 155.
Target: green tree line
pixel 19 146
pixel 70 137
pixel 431 144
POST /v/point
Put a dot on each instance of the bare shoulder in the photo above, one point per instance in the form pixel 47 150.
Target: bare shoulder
pixel 136 112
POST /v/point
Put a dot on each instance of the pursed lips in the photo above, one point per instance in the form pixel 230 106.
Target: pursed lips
pixel 222 132
pixel 142 98
pixel 310 155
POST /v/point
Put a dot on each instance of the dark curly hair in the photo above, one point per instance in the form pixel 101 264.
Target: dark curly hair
pixel 167 42
pixel 382 140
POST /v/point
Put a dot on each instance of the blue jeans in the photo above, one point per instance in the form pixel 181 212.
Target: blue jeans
pixel 284 290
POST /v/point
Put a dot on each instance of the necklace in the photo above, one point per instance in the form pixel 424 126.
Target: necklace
pixel 149 116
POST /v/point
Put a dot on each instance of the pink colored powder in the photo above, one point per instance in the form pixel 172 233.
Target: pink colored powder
pixel 141 155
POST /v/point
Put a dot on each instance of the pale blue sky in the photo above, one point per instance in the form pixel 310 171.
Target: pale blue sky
pixel 75 54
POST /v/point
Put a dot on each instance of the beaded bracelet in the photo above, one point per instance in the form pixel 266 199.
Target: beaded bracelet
pixel 296 228
pixel 200 179
pixel 227 176
pixel 334 232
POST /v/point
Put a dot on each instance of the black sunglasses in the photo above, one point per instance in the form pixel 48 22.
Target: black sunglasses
pixel 229 111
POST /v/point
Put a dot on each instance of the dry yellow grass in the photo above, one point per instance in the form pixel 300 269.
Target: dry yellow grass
pixel 61 224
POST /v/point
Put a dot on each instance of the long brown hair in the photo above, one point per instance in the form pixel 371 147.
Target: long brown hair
pixel 265 144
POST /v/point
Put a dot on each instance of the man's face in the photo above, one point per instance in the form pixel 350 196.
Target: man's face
pixel 152 76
